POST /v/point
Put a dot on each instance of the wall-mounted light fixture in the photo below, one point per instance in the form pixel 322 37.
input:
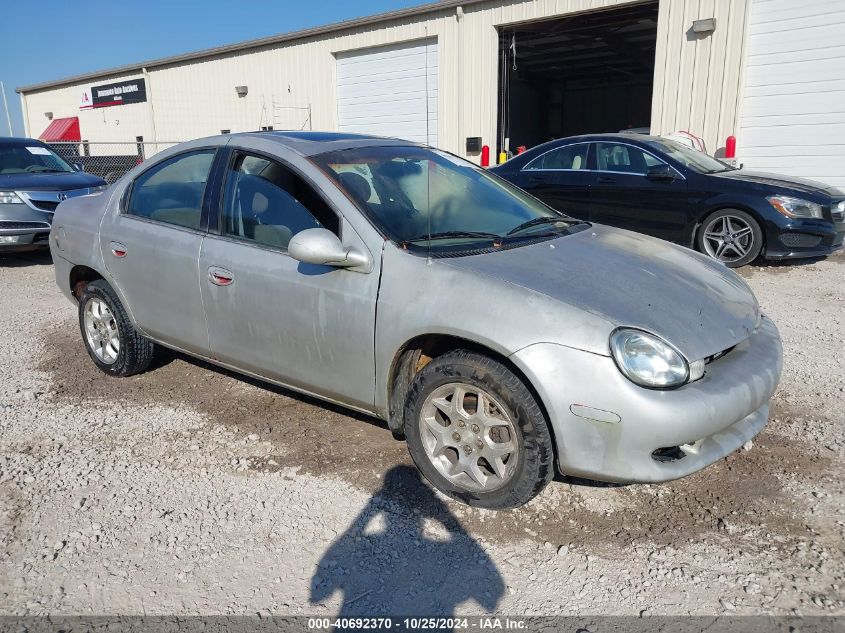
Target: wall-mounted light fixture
pixel 241 90
pixel 707 25
pixel 49 115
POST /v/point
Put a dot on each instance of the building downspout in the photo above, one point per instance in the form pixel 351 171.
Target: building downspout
pixel 150 101
pixel 459 45
pixel 25 116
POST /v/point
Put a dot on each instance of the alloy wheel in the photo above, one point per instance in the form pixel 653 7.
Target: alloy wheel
pixel 469 437
pixel 728 238
pixel 101 331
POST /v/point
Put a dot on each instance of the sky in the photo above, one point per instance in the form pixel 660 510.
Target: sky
pixel 53 39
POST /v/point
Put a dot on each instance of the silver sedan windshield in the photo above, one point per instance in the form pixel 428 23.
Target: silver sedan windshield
pixel 418 195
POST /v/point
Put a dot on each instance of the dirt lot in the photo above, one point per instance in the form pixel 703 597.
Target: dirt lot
pixel 189 490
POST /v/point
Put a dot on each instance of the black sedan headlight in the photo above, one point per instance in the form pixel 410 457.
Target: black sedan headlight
pixel 796 208
pixel 648 360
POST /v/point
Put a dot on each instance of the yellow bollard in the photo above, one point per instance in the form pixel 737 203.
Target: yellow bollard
pixel 503 156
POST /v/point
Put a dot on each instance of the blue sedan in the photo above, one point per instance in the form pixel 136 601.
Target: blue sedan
pixel 659 187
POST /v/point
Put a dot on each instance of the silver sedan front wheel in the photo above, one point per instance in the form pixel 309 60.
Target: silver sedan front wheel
pixel 469 437
pixel 476 432
pixel 101 332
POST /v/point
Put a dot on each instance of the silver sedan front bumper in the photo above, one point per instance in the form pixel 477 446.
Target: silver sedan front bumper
pixel 607 428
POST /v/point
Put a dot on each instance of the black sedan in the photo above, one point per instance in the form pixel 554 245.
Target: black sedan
pixel 656 186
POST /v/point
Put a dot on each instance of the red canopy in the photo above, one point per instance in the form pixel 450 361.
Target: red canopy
pixel 62 130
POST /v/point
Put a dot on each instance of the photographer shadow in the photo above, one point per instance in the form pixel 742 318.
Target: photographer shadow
pixel 406 554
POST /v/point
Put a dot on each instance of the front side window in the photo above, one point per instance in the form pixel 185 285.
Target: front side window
pixel 425 198
pixel 570 157
pixel 618 157
pixel 267 203
pixel 172 191
pixel 31 159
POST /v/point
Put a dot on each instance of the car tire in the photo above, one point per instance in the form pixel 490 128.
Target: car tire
pixel 722 222
pixel 509 416
pixel 103 320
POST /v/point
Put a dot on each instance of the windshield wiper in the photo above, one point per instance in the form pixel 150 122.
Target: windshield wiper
pixel 445 235
pixel 544 220
pixel 48 170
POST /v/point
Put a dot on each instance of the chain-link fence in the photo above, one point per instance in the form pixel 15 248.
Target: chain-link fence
pixel 108 160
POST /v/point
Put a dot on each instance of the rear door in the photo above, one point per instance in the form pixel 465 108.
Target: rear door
pixel 560 178
pixel 311 327
pixel 151 246
pixel 622 195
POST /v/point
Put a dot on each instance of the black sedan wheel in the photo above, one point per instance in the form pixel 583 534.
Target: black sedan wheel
pixel 731 236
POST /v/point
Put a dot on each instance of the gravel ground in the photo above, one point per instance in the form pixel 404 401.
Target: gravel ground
pixel 188 490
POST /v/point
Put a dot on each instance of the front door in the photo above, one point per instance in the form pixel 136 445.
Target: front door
pixel 622 195
pixel 151 248
pixel 311 327
pixel 560 179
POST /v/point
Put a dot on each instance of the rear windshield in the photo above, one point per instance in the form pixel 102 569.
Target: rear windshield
pixel 31 159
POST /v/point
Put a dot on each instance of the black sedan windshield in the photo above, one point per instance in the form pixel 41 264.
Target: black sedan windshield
pixel 31 159
pixel 688 157
pixel 417 195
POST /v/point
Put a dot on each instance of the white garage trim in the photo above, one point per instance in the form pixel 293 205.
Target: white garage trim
pixel 792 117
pixel 389 91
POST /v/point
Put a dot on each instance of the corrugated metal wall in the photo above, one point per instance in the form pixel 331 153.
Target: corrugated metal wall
pixel 695 87
pixel 696 76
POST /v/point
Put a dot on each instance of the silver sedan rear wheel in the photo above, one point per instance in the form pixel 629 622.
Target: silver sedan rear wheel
pixel 469 437
pixel 101 331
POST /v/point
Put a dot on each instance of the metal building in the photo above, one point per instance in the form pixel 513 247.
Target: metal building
pixel 460 74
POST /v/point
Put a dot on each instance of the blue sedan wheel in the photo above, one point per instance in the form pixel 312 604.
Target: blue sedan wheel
pixel 731 236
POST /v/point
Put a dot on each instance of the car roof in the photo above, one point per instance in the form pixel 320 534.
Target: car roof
pixel 308 143
pixel 616 136
pixel 19 140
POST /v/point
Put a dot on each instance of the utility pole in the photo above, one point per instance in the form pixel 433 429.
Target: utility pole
pixel 6 108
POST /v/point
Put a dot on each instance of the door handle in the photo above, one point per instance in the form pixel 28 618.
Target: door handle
pixel 118 249
pixel 606 180
pixel 220 276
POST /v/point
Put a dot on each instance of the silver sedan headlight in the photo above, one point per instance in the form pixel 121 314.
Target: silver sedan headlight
pixel 648 360
pixel 796 207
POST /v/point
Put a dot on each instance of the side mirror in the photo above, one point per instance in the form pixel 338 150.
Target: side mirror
pixel 660 172
pixel 77 166
pixel 321 246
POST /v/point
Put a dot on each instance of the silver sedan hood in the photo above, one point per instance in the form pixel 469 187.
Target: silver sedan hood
pixel 632 280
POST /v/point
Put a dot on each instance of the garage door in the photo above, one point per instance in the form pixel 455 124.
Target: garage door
pixel 792 117
pixel 389 91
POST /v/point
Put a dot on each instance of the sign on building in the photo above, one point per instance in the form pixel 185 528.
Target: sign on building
pixel 114 94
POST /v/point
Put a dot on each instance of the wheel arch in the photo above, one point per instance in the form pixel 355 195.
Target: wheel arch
pixel 727 206
pixel 79 277
pixel 417 352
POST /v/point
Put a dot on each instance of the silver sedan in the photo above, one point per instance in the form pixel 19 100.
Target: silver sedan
pixel 498 337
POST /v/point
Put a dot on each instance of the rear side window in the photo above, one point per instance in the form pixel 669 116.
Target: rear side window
pixel 573 157
pixel 618 157
pixel 172 191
